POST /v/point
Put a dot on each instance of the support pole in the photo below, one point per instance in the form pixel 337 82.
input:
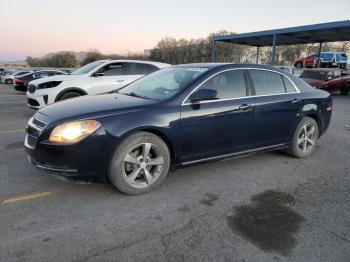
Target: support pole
pixel 319 55
pixel 257 54
pixel 273 50
pixel 213 51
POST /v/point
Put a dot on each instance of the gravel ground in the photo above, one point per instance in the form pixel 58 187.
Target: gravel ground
pixel 266 207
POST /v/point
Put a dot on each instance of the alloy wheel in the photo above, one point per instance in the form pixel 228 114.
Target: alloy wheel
pixel 143 165
pixel 307 138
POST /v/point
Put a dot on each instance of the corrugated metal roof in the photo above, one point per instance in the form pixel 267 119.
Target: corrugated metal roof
pixel 323 32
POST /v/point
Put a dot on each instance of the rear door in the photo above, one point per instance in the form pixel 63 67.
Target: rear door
pixel 218 127
pixel 277 107
pixel 108 78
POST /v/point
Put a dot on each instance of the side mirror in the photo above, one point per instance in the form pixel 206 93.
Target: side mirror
pixel 204 94
pixel 97 74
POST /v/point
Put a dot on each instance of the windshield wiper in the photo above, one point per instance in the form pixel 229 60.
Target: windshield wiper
pixel 136 95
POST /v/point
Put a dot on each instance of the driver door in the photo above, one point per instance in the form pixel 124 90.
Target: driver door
pixel 220 126
pixel 108 78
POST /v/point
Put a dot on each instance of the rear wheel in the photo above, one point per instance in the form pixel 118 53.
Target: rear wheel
pixel 304 138
pixel 8 81
pixel 299 65
pixel 69 95
pixel 140 163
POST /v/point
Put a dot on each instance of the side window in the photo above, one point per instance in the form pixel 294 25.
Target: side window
pixel 115 69
pixel 229 84
pixel 139 69
pixel 289 86
pixel 267 83
pixel 43 74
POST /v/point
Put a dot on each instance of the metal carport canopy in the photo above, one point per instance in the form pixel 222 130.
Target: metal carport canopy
pixel 317 33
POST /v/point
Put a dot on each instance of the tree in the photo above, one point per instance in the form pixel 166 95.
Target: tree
pixel 64 60
pixel 92 56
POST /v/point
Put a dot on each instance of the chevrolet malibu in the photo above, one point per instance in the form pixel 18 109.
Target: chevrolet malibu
pixel 176 117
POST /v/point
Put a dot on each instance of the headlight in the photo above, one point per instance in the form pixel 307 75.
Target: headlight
pixel 73 132
pixel 49 84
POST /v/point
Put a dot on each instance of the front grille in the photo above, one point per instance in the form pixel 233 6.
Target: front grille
pixel 34 129
pixel 39 123
pixel 31 141
pixel 32 102
pixel 31 88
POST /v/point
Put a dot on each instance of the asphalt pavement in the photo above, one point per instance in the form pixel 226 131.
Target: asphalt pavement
pixel 266 207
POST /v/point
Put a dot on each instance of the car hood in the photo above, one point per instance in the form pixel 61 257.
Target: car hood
pixel 56 78
pixel 313 82
pixel 90 106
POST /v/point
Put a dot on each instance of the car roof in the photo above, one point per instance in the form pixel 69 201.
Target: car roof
pixel 232 65
pixel 157 64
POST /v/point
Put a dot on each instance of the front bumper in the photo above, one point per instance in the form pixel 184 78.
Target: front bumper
pixel 87 160
pixel 37 101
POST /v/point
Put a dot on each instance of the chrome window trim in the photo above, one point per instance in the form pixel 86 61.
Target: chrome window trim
pixel 228 99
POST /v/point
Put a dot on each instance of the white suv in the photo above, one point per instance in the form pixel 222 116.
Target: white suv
pixel 94 78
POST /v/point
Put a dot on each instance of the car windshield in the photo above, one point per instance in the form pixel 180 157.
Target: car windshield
pixel 87 68
pixel 317 75
pixel 164 83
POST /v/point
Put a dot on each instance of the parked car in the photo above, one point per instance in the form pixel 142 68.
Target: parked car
pixel 176 117
pixel 94 78
pixel 331 80
pixel 328 59
pixel 21 82
pixel 10 78
pixel 5 73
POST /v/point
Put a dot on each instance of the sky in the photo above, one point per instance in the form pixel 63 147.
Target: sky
pixel 37 27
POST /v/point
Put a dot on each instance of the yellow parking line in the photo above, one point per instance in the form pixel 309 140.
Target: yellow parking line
pixel 26 197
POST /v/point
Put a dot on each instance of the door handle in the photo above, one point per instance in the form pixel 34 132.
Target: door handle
pixel 245 107
pixel 120 81
pixel 296 101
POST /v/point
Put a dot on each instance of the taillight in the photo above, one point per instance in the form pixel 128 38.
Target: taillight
pixel 19 81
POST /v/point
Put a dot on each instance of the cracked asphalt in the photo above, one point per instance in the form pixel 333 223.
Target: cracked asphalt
pixel 266 207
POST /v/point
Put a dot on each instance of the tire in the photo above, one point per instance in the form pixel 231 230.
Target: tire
pixel 299 143
pixel 8 81
pixel 127 169
pixel 68 95
pixel 299 65
pixel 345 90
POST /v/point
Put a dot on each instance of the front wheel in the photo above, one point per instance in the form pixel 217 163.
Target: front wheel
pixel 139 164
pixel 304 138
pixel 69 95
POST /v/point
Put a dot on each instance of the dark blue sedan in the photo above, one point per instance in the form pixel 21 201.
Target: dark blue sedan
pixel 178 116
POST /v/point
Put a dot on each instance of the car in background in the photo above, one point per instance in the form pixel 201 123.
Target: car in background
pixel 328 59
pixel 4 73
pixel 21 82
pixel 331 80
pixel 95 78
pixel 177 117
pixel 10 78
